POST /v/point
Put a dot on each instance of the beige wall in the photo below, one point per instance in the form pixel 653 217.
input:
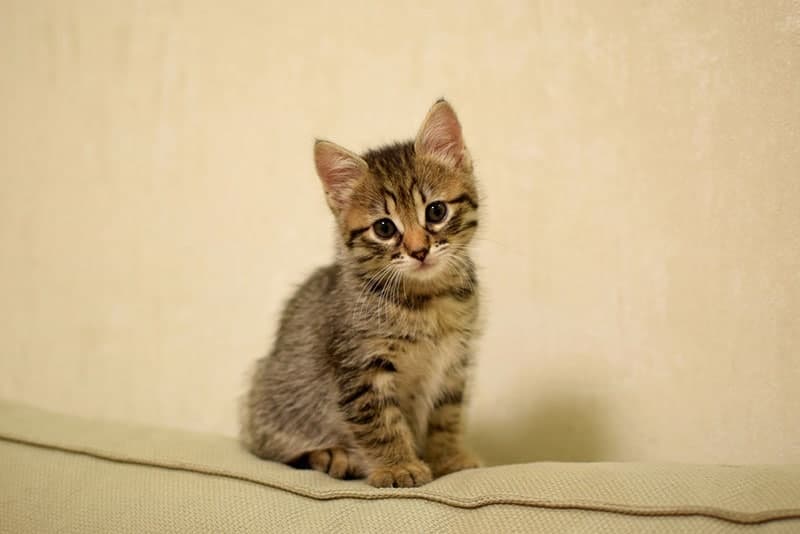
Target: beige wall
pixel 640 163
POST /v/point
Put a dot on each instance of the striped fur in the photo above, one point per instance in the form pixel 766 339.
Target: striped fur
pixel 367 374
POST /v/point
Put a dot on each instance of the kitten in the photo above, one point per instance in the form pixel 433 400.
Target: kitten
pixel 366 377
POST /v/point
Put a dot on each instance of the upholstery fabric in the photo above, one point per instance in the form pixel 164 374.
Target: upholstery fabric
pixel 70 474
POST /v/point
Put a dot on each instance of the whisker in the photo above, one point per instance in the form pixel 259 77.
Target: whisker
pixel 368 285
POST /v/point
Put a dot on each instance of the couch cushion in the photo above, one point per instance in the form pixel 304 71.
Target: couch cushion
pixel 70 474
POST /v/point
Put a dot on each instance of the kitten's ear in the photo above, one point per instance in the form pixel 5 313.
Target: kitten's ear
pixel 340 171
pixel 440 137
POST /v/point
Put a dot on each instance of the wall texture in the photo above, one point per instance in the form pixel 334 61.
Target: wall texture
pixel 641 243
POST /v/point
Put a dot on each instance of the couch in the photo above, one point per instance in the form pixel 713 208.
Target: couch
pixel 62 473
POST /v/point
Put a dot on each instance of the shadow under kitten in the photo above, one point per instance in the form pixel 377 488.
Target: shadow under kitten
pixel 562 427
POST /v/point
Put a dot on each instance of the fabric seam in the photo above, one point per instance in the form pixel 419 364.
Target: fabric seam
pixel 742 518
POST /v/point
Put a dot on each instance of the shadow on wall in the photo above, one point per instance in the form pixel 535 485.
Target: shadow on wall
pixel 559 427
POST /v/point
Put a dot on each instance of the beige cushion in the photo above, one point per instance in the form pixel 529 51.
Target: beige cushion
pixel 68 474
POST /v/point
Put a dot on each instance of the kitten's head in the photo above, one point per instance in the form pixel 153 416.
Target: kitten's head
pixel 406 211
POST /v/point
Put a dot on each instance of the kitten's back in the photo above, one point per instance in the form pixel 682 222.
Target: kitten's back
pixel 293 386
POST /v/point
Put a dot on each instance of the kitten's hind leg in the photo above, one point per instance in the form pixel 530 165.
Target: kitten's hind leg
pixel 336 462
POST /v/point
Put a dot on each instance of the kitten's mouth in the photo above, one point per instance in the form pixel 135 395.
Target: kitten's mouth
pixel 425 270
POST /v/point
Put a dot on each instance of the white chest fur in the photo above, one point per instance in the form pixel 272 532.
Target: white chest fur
pixel 422 378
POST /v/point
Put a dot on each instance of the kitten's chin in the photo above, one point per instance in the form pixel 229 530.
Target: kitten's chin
pixel 425 272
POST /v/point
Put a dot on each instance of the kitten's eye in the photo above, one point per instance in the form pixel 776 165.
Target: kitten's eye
pixel 435 212
pixel 384 228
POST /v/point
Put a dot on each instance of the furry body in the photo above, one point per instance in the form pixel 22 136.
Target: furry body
pixel 367 374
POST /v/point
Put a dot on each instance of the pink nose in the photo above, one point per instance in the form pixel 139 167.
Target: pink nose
pixel 419 254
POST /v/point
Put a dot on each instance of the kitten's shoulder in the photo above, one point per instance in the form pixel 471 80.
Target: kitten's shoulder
pixel 317 285
pixel 309 307
pixel 324 278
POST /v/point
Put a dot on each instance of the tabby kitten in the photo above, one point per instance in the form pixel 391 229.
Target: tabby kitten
pixel 366 377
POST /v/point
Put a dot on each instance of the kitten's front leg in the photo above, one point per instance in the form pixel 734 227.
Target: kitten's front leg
pixel 444 449
pixel 368 399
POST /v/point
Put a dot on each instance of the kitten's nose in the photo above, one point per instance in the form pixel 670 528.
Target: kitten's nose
pixel 419 254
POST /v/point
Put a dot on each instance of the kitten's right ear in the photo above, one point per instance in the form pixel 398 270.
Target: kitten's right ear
pixel 440 137
pixel 340 171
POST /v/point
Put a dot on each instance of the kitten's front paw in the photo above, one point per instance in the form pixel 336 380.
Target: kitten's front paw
pixel 407 475
pixel 456 461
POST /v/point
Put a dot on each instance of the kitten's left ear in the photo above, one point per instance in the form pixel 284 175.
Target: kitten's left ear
pixel 440 138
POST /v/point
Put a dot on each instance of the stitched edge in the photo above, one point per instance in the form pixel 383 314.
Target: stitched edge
pixel 742 518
